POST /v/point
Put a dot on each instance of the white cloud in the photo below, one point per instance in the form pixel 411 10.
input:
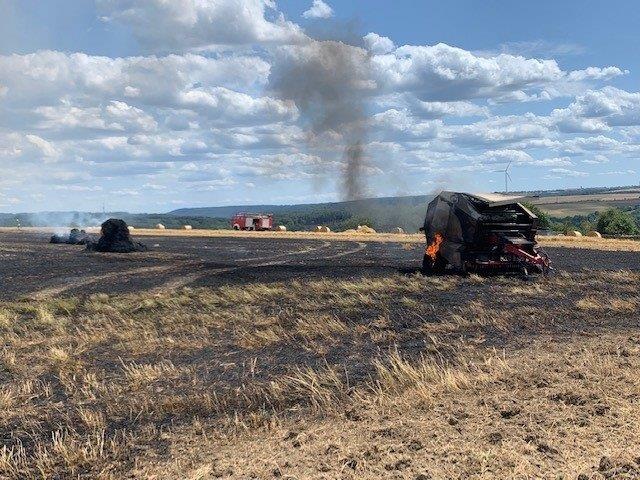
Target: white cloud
pixel 9 201
pixel 46 148
pixel 186 24
pixel 399 125
pixel 154 186
pixel 597 159
pixel 507 156
pixel 565 172
pixel 596 73
pixel 126 193
pixel 378 45
pixel 79 188
pixel 590 144
pixel 318 9
pixel 41 76
pixel 444 73
pixel 499 130
pixel 227 105
pixel 116 116
pixel 554 162
pixel 149 126
pixel 612 106
pixel 453 109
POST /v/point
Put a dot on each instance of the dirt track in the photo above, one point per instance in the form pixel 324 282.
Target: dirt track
pixel 31 267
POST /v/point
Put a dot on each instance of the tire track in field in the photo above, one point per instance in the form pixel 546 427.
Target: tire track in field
pixel 75 282
pixel 72 283
pixel 195 276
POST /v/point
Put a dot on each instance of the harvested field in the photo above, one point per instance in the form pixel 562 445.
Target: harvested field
pixel 236 357
pixel 592 243
pixel 32 268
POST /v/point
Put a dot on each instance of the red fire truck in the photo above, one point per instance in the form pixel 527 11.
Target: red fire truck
pixel 252 221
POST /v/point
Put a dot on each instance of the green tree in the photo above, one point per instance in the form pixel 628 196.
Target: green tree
pixel 543 218
pixel 616 222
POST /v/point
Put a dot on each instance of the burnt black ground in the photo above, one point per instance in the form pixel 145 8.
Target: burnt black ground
pixel 30 266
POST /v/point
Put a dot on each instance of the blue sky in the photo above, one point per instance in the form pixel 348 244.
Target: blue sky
pixel 146 105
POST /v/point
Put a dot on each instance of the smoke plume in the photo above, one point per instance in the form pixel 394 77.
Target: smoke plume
pixel 329 81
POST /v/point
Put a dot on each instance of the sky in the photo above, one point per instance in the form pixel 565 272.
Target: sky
pixel 149 105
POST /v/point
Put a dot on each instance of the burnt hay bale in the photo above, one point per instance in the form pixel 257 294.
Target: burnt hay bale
pixel 116 238
pixel 75 237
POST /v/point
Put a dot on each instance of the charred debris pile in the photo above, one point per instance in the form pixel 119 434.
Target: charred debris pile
pixel 116 238
pixel 75 237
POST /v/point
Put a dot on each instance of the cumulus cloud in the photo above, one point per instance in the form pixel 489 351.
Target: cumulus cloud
pixel 399 124
pixel 186 24
pixel 596 73
pixel 227 105
pixel 444 109
pixel 599 111
pixel 318 9
pixel 507 156
pixel 39 77
pixel 378 45
pixel 499 130
pixel 115 116
pixel 444 73
pixel 221 103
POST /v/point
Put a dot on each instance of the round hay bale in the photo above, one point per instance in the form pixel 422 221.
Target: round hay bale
pixel 595 234
pixel 131 227
pixel 281 228
pixel 321 229
pixel 160 226
pixel 573 233
pixel 398 230
pixel 365 229
pixel 187 227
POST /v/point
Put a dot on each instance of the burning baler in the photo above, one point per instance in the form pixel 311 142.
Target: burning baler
pixel 482 233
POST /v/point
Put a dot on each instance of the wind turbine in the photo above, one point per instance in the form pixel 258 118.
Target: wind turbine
pixel 507 177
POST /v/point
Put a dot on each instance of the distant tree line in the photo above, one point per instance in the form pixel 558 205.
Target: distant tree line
pixel 81 219
pixel 382 216
pixel 613 221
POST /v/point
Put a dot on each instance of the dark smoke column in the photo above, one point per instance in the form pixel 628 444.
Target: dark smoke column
pixel 354 175
pixel 329 82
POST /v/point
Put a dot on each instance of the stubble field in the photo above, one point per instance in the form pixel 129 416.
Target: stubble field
pixel 313 358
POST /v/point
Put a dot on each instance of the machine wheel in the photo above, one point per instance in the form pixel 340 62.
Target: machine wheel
pixel 430 267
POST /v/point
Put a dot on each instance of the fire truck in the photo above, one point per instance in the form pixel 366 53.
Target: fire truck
pixel 252 221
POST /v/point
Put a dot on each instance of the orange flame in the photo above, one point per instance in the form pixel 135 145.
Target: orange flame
pixel 433 249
